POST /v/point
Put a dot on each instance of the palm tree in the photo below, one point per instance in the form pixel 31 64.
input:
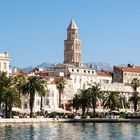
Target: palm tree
pixel 5 82
pixel 135 84
pixel 42 92
pixel 60 85
pixel 94 94
pixel 112 100
pixel 75 102
pixel 135 98
pixel 10 98
pixel 33 85
pixel 19 80
pixel 81 100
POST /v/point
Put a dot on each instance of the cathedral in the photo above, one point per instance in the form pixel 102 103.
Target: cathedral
pixel 81 76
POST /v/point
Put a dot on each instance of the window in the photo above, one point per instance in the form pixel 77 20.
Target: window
pixel 84 71
pixel 125 73
pixel 88 71
pixel 77 70
pixel 72 70
pixel 25 105
pixel 37 102
pixel 52 93
pixel 106 81
pixel 93 72
pixel 47 101
pixel 4 65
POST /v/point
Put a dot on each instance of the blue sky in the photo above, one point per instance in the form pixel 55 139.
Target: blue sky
pixel 33 31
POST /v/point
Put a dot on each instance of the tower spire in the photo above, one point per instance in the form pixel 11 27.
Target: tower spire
pixel 72 50
pixel 72 25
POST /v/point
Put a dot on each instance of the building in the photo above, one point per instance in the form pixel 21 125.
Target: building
pixel 125 74
pixel 79 76
pixel 4 62
pixel 72 50
pixel 104 77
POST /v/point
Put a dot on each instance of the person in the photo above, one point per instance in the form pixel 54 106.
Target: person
pixel 46 114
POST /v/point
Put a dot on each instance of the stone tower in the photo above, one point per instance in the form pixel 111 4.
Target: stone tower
pixel 72 50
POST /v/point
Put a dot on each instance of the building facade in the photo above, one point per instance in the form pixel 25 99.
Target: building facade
pixel 125 74
pixel 4 62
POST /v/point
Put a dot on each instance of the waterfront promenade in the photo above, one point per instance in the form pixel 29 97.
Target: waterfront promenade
pixel 51 120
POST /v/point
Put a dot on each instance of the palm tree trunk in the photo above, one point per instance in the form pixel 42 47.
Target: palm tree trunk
pixel 31 104
pixel 135 106
pixel 59 98
pixel 41 103
pixel 94 112
pixel 10 111
pixel 6 109
pixel 83 111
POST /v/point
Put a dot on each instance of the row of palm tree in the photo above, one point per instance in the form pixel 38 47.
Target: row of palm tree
pixel 88 98
pixel 11 89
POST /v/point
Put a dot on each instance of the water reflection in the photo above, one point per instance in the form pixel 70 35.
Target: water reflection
pixel 71 131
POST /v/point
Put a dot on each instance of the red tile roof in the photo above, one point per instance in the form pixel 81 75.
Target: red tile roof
pixel 104 73
pixel 135 69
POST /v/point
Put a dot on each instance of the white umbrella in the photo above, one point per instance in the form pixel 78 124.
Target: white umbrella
pixel 25 111
pixel 16 109
pixel 59 110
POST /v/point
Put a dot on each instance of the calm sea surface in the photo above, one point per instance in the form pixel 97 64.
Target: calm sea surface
pixel 71 131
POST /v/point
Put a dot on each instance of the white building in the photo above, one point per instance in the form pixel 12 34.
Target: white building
pixel 4 62
pixel 104 77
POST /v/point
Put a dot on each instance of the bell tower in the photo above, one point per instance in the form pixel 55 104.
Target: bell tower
pixel 72 50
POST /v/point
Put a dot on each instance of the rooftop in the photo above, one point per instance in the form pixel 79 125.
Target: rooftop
pixel 104 73
pixel 129 68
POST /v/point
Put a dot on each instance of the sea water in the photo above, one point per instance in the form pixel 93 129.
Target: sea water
pixel 71 131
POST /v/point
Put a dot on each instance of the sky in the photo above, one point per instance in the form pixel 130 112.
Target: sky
pixel 33 31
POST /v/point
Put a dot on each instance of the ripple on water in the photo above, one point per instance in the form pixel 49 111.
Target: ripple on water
pixel 71 131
